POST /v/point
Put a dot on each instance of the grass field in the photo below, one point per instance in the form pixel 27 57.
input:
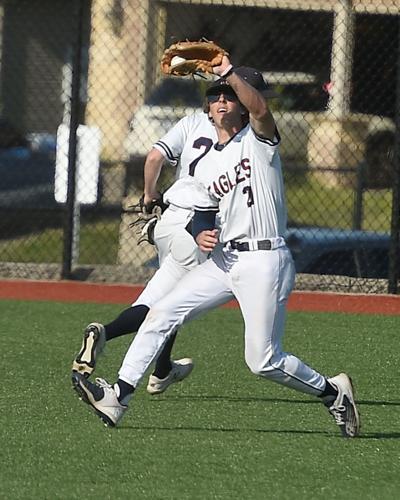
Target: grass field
pixel 221 434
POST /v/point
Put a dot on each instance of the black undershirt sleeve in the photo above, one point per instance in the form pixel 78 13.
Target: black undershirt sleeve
pixel 202 221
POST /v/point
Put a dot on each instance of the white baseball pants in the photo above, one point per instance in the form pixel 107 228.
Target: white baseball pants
pixel 177 255
pixel 261 281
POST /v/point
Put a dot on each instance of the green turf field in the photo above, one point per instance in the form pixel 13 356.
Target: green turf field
pixel 221 434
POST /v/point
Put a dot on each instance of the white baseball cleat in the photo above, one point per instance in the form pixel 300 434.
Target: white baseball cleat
pixel 101 396
pixel 181 368
pixel 94 339
pixel 343 409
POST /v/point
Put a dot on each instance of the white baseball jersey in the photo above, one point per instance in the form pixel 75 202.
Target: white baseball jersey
pixel 185 145
pixel 245 184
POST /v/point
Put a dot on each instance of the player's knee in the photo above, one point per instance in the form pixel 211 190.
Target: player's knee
pixel 155 318
pixel 161 320
pixel 265 370
pixel 259 366
pixel 255 367
pixel 269 367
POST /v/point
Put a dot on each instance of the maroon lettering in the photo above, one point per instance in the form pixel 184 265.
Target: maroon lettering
pixel 245 163
pixel 227 181
pixel 231 186
pixel 239 178
pixel 223 183
pixel 216 190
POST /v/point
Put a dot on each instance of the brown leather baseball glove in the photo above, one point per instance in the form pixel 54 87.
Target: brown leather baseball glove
pixel 189 58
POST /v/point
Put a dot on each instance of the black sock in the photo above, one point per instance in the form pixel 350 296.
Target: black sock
pixel 125 391
pixel 128 321
pixel 329 394
pixel 163 363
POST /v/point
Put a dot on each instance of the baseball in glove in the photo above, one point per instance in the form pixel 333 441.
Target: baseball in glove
pixel 189 58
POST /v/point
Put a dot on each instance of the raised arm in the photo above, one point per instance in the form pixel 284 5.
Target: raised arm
pixel 261 119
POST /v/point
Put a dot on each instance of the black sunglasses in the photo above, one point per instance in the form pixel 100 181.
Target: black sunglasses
pixel 228 96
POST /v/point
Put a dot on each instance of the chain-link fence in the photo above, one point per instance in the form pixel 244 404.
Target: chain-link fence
pixel 82 98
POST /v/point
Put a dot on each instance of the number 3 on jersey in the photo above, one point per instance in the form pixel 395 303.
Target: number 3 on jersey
pixel 250 199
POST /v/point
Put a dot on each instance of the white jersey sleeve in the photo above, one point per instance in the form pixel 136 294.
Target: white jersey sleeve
pixel 172 144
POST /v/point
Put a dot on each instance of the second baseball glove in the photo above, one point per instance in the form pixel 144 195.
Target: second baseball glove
pixel 148 216
pixel 189 58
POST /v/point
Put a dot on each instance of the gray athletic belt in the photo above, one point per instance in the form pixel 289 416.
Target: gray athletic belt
pixel 246 246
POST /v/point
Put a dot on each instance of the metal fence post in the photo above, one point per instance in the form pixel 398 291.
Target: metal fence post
pixel 72 209
pixel 394 252
pixel 358 197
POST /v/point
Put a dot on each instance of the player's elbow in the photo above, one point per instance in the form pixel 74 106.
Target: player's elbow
pixel 154 156
pixel 265 127
pixel 261 112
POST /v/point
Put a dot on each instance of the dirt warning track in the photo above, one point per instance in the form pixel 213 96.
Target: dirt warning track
pixel 124 294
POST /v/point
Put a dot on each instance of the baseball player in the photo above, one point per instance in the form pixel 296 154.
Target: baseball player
pixel 183 146
pixel 249 258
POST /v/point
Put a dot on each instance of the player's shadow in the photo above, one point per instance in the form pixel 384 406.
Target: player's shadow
pixel 241 399
pixel 206 428
pixel 252 399
pixel 218 429
pixel 379 435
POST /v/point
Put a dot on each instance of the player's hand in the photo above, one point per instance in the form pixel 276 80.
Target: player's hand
pixel 207 240
pixel 148 198
pixel 218 70
pixel 150 201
